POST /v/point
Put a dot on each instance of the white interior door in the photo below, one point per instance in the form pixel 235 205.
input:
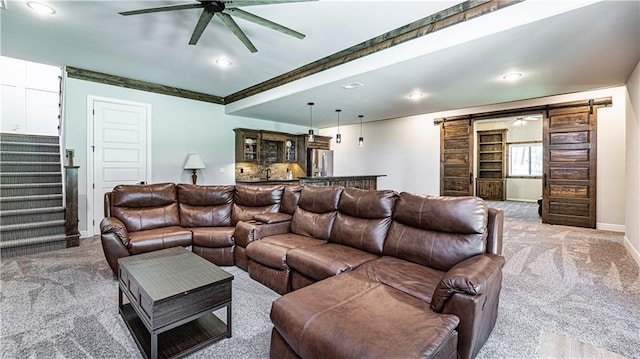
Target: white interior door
pixel 120 153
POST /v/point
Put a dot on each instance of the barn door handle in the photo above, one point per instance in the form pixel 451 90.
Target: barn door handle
pixel 470 178
pixel 544 180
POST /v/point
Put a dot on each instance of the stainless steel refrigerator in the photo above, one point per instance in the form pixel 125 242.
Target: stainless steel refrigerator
pixel 319 163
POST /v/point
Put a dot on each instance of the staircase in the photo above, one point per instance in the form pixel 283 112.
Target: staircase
pixel 32 214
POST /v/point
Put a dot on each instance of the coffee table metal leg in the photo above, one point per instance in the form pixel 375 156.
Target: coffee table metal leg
pixel 154 345
pixel 229 320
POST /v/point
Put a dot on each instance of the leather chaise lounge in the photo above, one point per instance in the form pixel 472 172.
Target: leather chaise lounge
pixel 362 273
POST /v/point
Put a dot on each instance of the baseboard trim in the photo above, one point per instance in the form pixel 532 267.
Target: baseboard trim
pixel 84 234
pixel 632 250
pixel 523 200
pixel 610 227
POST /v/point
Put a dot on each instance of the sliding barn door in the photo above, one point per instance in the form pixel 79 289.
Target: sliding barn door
pixel 456 158
pixel 569 177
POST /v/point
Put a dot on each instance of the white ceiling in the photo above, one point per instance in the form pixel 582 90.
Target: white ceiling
pixel 560 47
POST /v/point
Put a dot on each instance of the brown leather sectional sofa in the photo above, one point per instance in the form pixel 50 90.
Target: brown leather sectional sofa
pixel 372 274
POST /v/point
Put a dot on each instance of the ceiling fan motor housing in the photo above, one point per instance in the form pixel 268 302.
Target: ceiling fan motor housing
pixel 213 6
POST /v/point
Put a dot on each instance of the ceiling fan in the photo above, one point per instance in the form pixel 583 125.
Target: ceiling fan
pixel 521 121
pixel 224 10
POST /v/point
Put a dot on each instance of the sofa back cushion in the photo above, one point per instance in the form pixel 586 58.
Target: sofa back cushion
pixel 251 200
pixel 363 219
pixel 316 211
pixel 205 206
pixel 290 199
pixel 438 232
pixel 142 207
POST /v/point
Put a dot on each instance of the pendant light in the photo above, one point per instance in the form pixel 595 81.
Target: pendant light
pixel 338 136
pixel 311 139
pixel 361 139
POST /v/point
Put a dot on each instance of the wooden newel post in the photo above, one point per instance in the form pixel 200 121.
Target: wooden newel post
pixel 71 206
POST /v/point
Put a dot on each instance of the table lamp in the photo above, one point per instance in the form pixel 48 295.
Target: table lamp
pixel 194 162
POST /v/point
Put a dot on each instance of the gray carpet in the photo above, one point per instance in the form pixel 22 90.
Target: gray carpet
pixel 576 282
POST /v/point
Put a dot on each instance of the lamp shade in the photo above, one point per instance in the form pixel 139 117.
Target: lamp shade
pixel 194 162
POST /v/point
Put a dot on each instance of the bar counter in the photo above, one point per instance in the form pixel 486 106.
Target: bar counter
pixel 362 182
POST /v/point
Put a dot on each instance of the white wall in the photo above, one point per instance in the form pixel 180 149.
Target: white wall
pixel 518 189
pixel 407 151
pixel 632 235
pixel 30 97
pixel 178 127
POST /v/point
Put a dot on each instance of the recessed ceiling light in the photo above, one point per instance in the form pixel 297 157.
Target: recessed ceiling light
pixel 351 86
pixel 41 8
pixel 512 76
pixel 222 62
pixel 416 95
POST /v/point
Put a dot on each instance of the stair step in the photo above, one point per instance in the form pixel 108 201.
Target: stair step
pixel 12 167
pixel 19 216
pixel 21 137
pixel 17 156
pixel 27 230
pixel 30 177
pixel 32 245
pixel 27 202
pixel 29 147
pixel 29 189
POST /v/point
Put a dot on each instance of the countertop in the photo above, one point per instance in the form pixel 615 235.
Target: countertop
pixel 338 177
pixel 271 180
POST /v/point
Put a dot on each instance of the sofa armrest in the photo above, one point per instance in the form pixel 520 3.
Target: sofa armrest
pixel 247 232
pixel 272 217
pixel 471 291
pixel 115 226
pixel 470 276
pixel 114 235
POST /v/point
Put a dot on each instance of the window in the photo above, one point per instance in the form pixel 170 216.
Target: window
pixel 525 159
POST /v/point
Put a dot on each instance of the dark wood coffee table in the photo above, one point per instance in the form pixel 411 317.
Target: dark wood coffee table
pixel 172 294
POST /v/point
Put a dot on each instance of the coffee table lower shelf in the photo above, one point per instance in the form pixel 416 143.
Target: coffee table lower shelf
pixel 178 341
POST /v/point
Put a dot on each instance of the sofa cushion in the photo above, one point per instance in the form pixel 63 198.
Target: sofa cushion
pixel 312 224
pixel 350 316
pixel 367 204
pixel 363 219
pixel 464 215
pixel 272 251
pixel 316 211
pixel 319 199
pixel 158 238
pixel 205 206
pixel 251 200
pixel 437 232
pixel 320 262
pixel 213 237
pixel 414 279
pixel 290 198
pixel 142 207
pixel 258 196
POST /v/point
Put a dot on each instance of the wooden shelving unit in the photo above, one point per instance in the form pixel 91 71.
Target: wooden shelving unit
pixel 491 181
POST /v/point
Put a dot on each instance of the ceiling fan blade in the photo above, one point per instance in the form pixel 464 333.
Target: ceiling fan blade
pixel 264 22
pixel 239 3
pixel 161 9
pixel 203 21
pixel 231 24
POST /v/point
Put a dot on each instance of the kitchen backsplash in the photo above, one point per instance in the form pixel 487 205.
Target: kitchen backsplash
pixel 247 171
